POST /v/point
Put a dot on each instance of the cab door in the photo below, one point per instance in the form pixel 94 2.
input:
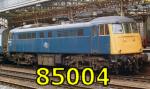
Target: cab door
pixel 94 40
pixel 104 39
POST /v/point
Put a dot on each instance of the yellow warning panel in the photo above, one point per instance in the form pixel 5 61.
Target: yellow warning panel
pixel 147 1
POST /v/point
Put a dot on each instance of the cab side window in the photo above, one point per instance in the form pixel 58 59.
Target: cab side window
pixel 101 30
pixel 104 29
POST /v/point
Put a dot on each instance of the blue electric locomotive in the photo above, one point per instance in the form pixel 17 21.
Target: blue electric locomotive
pixel 105 41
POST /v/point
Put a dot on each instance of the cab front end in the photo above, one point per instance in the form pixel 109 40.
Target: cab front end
pixel 125 39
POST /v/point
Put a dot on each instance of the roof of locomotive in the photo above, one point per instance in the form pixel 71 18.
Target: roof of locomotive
pixel 111 19
pixel 100 20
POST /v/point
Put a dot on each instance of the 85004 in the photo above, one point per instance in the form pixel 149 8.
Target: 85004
pixel 43 78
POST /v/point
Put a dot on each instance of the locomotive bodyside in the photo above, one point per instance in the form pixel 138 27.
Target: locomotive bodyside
pixel 74 40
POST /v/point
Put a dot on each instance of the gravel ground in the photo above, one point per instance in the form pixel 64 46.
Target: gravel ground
pixel 6 87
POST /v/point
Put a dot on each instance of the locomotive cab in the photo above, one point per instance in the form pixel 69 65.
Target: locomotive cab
pixel 124 38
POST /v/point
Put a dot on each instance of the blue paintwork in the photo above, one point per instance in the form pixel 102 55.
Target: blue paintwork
pixel 86 44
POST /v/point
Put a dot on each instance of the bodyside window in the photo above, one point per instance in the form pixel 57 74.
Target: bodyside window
pixel 41 34
pixel 80 32
pixel 49 34
pixel 33 35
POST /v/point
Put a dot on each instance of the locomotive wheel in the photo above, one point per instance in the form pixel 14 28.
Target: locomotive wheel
pixel 135 67
pixel 116 70
pixel 18 61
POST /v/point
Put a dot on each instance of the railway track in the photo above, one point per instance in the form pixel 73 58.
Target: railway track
pixel 17 77
pixel 25 79
pixel 137 78
pixel 147 50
